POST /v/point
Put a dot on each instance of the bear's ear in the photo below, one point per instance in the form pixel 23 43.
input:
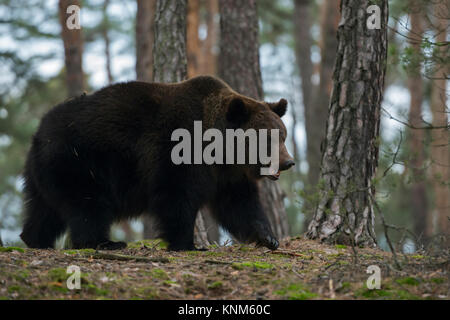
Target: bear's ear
pixel 279 107
pixel 238 112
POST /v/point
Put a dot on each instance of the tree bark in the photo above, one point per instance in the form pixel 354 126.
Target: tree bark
pixel 239 67
pixel 317 117
pixel 145 20
pixel 193 41
pixel 73 50
pixel 440 144
pixel 303 43
pixel 169 54
pixel 345 212
pixel 419 205
pixel 106 40
pixel 208 61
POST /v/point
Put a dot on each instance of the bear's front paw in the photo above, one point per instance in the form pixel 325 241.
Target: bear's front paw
pixel 269 242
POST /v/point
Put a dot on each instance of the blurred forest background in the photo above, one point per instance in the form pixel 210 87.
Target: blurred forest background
pixel 297 48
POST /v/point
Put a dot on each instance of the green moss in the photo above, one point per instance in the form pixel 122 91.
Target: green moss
pixel 408 281
pixel 244 248
pixel 256 264
pixel 169 282
pixel 58 288
pixel 237 266
pixel 373 294
pixel 147 293
pixel 437 280
pixel 79 251
pixel 21 275
pixel 345 286
pixel 14 288
pixel 418 256
pixel 159 274
pixel 341 246
pixel 296 292
pixel 11 249
pixel 58 274
pixel 93 289
pixel 405 295
pixel 215 285
pixel 149 243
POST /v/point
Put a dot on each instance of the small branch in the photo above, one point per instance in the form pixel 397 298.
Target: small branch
pixel 427 127
pixel 394 159
pixel 121 257
pixel 290 253
pixel 385 227
pixel 217 262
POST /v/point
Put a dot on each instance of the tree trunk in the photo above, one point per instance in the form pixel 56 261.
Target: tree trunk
pixel 239 67
pixel 208 61
pixel 193 41
pixel 145 21
pixel 105 35
pixel 73 50
pixel 419 204
pixel 169 54
pixel 345 212
pixel 317 117
pixel 440 145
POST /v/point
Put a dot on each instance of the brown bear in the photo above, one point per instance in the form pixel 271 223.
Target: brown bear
pixel 100 158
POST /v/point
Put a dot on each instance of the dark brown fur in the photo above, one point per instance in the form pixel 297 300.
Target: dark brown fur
pixel 104 157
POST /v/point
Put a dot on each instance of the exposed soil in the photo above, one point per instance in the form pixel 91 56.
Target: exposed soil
pixel 300 269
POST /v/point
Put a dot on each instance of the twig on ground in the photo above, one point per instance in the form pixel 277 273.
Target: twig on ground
pixel 388 240
pixel 217 262
pixel 122 257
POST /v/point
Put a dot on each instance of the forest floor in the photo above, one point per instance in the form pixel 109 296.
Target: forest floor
pixel 300 269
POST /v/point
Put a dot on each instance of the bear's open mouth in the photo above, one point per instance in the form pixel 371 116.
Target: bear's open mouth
pixel 275 176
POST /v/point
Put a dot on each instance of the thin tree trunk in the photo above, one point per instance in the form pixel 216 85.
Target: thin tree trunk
pixel 345 212
pixel 106 41
pixel 318 115
pixel 145 21
pixel 419 204
pixel 239 67
pixel 73 50
pixel 303 43
pixel 208 61
pixel 440 145
pixel 169 54
pixel 193 41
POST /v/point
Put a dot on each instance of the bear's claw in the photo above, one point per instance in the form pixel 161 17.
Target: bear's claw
pixel 269 242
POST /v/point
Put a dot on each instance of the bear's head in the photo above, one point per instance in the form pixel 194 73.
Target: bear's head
pixel 262 117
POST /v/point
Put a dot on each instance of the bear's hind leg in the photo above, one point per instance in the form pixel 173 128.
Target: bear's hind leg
pixel 42 224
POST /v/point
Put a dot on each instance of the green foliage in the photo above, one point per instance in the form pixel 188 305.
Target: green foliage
pixel 10 249
pixel 295 292
pixel 408 281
